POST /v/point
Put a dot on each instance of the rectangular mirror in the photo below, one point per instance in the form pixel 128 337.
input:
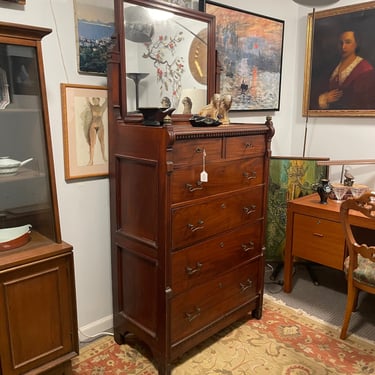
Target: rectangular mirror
pixel 169 56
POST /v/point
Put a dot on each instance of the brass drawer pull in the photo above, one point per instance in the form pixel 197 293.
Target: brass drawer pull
pixel 194 228
pixel 248 284
pixel 247 248
pixel 249 210
pixel 318 234
pixel 191 316
pixel 198 150
pixel 191 271
pixel 250 176
pixel 199 186
pixel 248 145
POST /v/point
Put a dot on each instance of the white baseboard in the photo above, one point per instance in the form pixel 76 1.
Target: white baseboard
pixel 96 328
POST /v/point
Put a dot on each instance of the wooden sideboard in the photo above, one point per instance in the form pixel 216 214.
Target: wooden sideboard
pixel 314 233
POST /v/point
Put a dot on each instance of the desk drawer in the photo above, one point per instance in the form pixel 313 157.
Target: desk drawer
pixel 318 240
pixel 210 301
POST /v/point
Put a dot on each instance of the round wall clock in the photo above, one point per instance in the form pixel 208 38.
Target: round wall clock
pixel 198 57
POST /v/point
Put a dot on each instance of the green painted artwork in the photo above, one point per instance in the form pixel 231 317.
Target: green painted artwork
pixel 289 178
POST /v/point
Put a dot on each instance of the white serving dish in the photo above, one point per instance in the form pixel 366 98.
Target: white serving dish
pixel 11 238
pixel 10 167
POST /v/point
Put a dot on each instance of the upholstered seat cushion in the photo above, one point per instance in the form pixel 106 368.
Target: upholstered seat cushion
pixel 364 273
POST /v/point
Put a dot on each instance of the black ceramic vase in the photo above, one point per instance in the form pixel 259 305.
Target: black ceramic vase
pixel 324 189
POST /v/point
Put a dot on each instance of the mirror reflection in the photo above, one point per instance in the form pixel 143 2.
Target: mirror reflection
pixel 166 60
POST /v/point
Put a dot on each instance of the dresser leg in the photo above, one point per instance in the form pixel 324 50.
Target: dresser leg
pixel 164 369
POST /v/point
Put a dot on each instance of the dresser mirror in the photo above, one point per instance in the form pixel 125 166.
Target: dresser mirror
pixel 169 56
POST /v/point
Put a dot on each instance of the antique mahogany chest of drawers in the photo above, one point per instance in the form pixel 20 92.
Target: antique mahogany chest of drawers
pixel 188 255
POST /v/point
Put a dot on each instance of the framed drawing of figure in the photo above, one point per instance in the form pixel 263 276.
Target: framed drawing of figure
pixel 340 62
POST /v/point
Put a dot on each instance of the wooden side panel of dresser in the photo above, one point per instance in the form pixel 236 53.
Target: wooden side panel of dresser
pixel 187 255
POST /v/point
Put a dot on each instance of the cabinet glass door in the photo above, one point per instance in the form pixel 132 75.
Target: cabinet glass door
pixel 25 180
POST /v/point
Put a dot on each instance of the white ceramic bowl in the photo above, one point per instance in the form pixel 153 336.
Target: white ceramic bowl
pixel 11 238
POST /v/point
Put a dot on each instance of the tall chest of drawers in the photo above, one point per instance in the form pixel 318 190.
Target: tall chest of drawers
pixel 188 255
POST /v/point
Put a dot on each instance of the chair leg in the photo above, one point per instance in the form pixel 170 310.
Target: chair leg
pixel 351 302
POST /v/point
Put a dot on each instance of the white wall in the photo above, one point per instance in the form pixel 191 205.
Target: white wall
pixel 84 206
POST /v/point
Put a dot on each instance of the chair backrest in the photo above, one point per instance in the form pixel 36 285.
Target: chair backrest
pixel 365 204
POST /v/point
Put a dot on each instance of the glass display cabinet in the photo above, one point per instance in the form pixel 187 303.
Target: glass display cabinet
pixel 36 267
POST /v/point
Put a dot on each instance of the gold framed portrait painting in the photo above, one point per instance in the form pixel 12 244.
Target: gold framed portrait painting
pixel 340 62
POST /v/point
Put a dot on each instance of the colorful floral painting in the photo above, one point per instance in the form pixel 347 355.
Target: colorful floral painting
pixel 289 178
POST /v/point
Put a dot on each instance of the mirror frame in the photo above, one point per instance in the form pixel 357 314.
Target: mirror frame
pixel 117 56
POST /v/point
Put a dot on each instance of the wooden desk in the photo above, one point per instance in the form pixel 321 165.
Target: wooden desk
pixel 314 233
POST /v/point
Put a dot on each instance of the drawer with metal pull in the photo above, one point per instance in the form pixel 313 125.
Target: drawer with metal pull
pixel 202 262
pixel 195 222
pixel 222 177
pixel 207 302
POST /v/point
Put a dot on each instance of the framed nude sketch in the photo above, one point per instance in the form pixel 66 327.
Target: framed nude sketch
pixel 85 131
pixel 340 62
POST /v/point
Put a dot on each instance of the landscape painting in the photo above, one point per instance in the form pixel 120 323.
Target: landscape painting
pixel 249 50
pixel 94 29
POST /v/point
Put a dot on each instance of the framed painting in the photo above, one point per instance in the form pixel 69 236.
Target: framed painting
pixel 289 178
pixel 85 131
pixel 340 61
pixel 190 4
pixel 21 2
pixel 94 20
pixel 249 51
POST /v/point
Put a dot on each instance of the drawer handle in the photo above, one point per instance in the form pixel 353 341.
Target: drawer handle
pixel 250 176
pixel 250 210
pixel 198 150
pixel 248 284
pixel 192 315
pixel 318 234
pixel 247 248
pixel 199 186
pixel 194 228
pixel 191 271
pixel 248 145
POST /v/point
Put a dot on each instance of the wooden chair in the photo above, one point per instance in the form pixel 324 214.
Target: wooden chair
pixel 359 266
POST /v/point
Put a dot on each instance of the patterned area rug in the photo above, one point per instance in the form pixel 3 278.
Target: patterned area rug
pixel 284 342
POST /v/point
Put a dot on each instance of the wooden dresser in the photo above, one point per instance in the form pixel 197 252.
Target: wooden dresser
pixel 188 256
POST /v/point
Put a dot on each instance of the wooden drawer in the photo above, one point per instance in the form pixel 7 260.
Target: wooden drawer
pixel 210 301
pixel 197 264
pixel 222 177
pixel 318 240
pixel 195 222
pixel 246 146
pixel 190 152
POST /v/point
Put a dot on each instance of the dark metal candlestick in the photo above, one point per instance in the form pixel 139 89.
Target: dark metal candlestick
pixel 137 77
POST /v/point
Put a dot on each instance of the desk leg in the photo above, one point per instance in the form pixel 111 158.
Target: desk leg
pixel 288 270
pixel 288 256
